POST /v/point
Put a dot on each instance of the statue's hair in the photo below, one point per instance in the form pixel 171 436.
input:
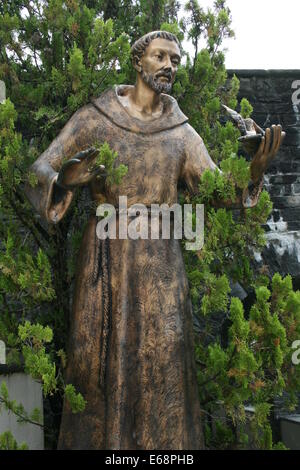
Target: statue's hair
pixel 139 47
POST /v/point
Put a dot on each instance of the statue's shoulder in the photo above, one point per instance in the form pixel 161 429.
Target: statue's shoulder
pixel 93 110
pixel 105 100
pixel 110 106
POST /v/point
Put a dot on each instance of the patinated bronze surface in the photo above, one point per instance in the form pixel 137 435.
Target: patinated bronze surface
pixel 131 340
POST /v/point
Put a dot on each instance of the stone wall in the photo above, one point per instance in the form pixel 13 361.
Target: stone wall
pixel 270 93
pixel 28 392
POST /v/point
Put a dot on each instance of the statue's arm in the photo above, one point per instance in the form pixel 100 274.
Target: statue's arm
pixel 49 199
pixel 197 160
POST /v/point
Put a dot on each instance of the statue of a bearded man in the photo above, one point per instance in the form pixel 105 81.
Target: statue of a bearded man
pixel 130 351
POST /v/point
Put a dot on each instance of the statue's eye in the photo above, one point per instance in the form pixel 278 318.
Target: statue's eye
pixel 159 56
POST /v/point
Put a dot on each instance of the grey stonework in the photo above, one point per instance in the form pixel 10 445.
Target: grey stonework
pixel 270 93
pixel 25 390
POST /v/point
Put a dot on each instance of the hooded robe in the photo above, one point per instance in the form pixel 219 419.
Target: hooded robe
pixel 131 347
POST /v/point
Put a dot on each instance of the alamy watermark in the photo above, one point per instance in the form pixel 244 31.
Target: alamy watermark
pixel 296 94
pixel 166 222
pixel 296 354
pixel 296 102
pixel 2 92
pixel 2 352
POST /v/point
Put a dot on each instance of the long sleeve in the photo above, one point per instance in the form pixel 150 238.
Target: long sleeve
pixel 197 160
pixel 49 200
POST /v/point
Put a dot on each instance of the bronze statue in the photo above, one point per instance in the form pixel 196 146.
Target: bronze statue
pixel 131 341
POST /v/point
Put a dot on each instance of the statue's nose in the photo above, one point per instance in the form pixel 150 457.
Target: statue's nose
pixel 168 64
pixel 168 68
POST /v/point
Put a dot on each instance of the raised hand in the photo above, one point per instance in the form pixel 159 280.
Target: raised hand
pixel 267 150
pixel 261 145
pixel 79 170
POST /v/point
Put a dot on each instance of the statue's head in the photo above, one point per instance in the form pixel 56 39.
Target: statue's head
pixel 156 57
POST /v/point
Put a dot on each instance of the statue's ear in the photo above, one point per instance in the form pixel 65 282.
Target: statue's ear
pixel 136 61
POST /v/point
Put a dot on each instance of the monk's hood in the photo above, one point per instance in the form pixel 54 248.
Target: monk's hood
pixel 109 104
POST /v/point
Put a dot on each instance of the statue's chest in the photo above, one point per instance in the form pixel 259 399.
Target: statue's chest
pixel 154 163
pixel 147 156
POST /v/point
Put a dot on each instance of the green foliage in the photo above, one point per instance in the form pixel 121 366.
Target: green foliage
pixel 173 28
pixel 18 409
pixel 236 366
pixel 237 169
pixel 107 157
pixel 35 334
pixel 39 364
pixel 75 400
pixel 246 108
pixel 217 298
pixel 20 271
pixel 255 367
pixel 55 56
pixel 8 442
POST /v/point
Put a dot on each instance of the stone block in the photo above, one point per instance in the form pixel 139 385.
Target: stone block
pixel 25 390
pixel 290 431
pixel 296 188
pixel 2 352
pixel 283 179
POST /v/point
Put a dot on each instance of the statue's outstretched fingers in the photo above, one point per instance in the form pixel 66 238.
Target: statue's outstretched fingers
pixel 274 142
pixel 92 154
pixel 268 138
pixel 260 149
pixel 71 162
pixel 82 154
pixel 64 170
pixel 87 154
pixel 96 169
pixel 278 143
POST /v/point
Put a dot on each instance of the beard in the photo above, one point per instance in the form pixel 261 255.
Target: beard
pixel 153 82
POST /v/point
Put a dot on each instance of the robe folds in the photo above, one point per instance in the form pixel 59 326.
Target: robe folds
pixel 130 351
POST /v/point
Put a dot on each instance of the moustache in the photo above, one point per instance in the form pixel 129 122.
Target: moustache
pixel 163 74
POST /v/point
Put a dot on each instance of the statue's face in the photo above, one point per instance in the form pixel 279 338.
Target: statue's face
pixel 159 64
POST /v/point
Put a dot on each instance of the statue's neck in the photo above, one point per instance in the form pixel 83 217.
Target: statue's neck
pixel 141 102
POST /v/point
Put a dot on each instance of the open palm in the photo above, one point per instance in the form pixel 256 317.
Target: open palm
pixel 79 170
pixel 261 145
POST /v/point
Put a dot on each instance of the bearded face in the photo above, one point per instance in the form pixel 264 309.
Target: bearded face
pixel 160 82
pixel 158 65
